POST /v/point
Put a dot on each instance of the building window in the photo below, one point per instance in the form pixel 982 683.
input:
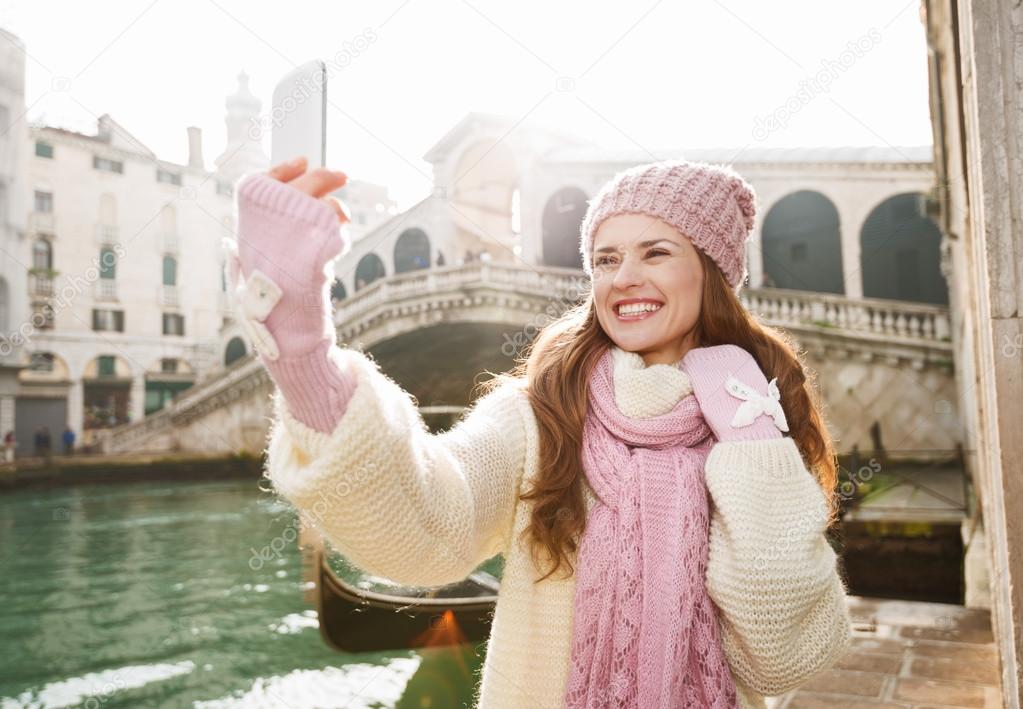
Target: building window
pixel 41 362
pixel 42 255
pixel 44 150
pixel 173 324
pixel 171 178
pixel 224 188
pixel 42 316
pixel 107 263
pixel 44 202
pixel 107 165
pixel 107 320
pixel 168 365
pixel 106 366
pixel 170 271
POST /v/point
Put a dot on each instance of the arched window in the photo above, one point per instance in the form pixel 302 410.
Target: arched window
pixel 802 245
pixel 562 216
pixel 235 350
pixel 337 291
pixel 107 263
pixel 900 252
pixel 369 269
pixel 4 305
pixel 42 254
pixel 411 251
pixel 170 271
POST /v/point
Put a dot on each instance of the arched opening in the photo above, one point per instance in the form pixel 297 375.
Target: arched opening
pixel 369 269
pixel 802 244
pixel 106 392
pixel 411 251
pixel 337 291
pixel 170 271
pixel 900 252
pixel 42 254
pixel 234 351
pixel 5 306
pixel 562 216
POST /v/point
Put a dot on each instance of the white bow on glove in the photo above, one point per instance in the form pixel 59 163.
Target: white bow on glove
pixel 255 297
pixel 754 404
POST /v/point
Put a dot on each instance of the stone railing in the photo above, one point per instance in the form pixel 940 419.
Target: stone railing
pixel 869 317
pixel 543 281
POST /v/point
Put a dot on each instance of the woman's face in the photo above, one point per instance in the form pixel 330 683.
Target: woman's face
pixel 641 259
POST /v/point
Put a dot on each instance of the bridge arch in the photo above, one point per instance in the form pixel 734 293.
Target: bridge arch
pixel 900 252
pixel 369 268
pixel 562 216
pixel 411 250
pixel 802 245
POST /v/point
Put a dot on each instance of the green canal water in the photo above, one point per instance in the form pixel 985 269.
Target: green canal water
pixel 173 594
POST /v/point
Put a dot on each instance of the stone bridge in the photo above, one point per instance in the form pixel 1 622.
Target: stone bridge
pixel 884 367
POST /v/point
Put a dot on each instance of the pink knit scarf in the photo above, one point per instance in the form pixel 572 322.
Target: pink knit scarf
pixel 645 631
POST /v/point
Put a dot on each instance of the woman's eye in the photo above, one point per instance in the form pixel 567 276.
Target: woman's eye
pixel 657 252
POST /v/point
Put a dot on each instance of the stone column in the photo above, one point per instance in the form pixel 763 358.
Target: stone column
pixel 137 402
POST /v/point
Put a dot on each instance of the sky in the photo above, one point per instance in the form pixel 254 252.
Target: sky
pixel 651 74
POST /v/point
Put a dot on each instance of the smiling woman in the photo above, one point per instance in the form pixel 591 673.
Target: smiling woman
pixel 639 448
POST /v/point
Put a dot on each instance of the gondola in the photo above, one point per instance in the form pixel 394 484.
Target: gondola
pixel 353 619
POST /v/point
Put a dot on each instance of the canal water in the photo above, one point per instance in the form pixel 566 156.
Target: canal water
pixel 169 594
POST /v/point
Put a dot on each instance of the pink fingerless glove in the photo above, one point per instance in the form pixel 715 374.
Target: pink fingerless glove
pixel 734 395
pixel 281 272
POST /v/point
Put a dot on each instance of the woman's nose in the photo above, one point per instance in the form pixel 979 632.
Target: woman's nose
pixel 628 274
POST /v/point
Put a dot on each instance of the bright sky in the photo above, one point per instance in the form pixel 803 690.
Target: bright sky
pixel 706 73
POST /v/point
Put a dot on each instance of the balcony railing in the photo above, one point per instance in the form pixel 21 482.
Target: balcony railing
pixel 106 289
pixel 106 234
pixel 169 296
pixel 40 283
pixel 870 316
pixel 41 223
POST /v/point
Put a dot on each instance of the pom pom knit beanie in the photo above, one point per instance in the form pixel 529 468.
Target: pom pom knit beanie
pixel 712 205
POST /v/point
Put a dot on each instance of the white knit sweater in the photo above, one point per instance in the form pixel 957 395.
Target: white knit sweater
pixel 426 509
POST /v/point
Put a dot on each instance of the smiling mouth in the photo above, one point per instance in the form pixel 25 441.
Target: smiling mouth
pixel 632 313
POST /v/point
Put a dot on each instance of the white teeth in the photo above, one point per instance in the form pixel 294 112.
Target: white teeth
pixel 635 308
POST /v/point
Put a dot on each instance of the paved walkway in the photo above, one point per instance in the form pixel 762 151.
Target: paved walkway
pixel 910 655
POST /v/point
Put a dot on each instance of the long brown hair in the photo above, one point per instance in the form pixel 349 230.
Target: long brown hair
pixel 557 366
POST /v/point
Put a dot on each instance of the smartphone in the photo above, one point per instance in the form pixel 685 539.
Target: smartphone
pixel 299 114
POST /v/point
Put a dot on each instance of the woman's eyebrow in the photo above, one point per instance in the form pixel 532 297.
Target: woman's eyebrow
pixel 642 244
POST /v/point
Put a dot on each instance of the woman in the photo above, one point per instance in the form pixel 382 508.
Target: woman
pixel 663 540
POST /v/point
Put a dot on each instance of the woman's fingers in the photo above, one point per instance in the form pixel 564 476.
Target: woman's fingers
pixel 342 211
pixel 319 181
pixel 287 171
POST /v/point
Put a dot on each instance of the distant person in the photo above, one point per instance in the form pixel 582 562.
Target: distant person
pixel 45 442
pixel 440 258
pixel 68 438
pixel 10 443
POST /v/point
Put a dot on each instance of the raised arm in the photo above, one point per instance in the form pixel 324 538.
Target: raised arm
pixel 347 446
pixel 771 571
pixel 280 272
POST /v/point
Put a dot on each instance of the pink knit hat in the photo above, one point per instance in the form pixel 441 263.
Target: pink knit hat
pixel 711 204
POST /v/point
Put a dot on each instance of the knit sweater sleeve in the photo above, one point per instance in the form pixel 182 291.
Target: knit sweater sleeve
pixel 417 508
pixel 771 571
